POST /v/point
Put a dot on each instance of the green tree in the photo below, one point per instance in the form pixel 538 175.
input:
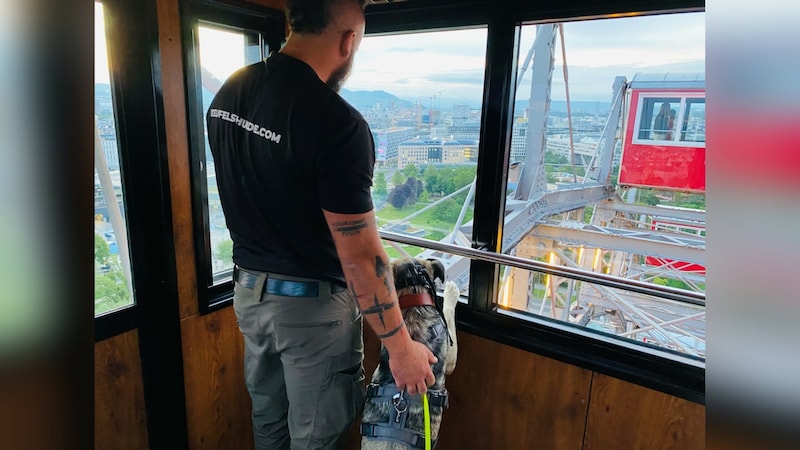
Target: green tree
pixel 447 211
pixel 110 290
pixel 110 286
pixel 587 214
pixel 694 201
pixel 463 176
pixel 224 250
pixel 398 178
pixel 380 184
pixel 431 178
pixel 554 158
pixel 101 251
pixel 648 197
pixel 399 197
pixel 446 180
pixel 405 194
pixel 415 188
pixel 410 171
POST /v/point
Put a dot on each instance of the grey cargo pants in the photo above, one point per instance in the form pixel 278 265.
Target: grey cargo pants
pixel 303 362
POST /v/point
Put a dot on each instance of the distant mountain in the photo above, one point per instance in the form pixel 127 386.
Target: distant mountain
pixel 368 99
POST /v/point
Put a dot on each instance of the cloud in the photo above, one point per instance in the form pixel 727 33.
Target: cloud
pixel 419 64
pixel 469 77
pixel 405 50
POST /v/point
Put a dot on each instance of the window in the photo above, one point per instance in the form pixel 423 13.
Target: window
pixel 563 208
pixel 514 187
pixel 113 286
pixel 422 96
pixel 223 39
pixel 659 117
pixel 657 121
pixel 222 52
pixel 694 120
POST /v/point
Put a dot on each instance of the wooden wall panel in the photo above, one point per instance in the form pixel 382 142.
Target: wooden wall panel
pixel 175 122
pixel 119 412
pixel 626 416
pixel 505 398
pixel 217 403
pixel 174 92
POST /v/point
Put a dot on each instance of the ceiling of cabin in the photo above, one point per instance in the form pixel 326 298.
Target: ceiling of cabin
pixel 383 1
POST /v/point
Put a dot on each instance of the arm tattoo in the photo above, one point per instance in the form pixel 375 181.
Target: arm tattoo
pixel 389 285
pixel 391 333
pixel 380 267
pixel 382 271
pixel 351 227
pixel 378 309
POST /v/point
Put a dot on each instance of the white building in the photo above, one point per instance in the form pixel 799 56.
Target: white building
pixel 437 151
pixel 387 141
pixel 109 143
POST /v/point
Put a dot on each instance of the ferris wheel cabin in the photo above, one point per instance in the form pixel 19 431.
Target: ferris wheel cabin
pixel 665 133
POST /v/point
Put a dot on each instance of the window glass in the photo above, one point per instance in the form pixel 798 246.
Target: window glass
pixel 422 96
pixel 564 155
pixel 638 317
pixel 222 52
pixel 658 118
pixel 113 287
pixel 694 120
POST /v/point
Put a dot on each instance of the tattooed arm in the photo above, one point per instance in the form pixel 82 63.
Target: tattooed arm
pixel 366 268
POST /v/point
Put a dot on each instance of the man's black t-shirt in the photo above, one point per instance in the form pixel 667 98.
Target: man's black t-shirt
pixel 285 147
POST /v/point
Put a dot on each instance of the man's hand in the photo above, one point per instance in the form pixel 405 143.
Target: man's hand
pixel 411 368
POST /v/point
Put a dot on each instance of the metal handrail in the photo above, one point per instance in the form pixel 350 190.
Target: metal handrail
pixel 656 290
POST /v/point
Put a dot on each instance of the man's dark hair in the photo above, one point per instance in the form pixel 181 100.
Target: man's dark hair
pixel 311 16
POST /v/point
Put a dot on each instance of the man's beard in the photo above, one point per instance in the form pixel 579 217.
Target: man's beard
pixel 338 77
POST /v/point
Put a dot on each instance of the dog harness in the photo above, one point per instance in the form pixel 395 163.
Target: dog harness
pixel 395 429
pixel 416 275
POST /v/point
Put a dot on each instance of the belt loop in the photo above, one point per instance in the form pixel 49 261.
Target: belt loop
pixel 263 288
pixel 330 288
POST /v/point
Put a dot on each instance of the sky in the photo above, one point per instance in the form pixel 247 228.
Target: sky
pixel 449 65
pixel 100 49
pixel 417 66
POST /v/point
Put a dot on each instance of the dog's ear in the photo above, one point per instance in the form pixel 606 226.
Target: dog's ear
pixel 438 268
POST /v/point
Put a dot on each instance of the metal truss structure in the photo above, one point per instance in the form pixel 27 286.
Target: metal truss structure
pixel 620 239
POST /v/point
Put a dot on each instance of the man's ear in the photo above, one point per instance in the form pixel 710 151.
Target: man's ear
pixel 347 43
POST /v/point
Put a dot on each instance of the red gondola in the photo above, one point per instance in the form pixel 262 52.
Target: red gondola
pixel 665 133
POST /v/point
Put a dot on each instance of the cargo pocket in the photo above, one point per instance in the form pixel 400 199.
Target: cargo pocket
pixel 342 402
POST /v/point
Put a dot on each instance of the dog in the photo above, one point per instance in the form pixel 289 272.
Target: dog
pixel 394 420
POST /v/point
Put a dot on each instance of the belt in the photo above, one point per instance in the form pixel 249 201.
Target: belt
pixel 286 288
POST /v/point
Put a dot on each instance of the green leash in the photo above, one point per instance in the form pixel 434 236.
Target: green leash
pixel 427 421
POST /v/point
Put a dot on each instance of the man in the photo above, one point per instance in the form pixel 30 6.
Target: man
pixel 294 167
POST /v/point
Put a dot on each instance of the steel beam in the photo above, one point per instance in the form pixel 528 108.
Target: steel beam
pixel 640 242
pixel 520 221
pixel 679 214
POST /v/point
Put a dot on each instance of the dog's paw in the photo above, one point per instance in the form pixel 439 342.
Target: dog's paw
pixel 451 295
